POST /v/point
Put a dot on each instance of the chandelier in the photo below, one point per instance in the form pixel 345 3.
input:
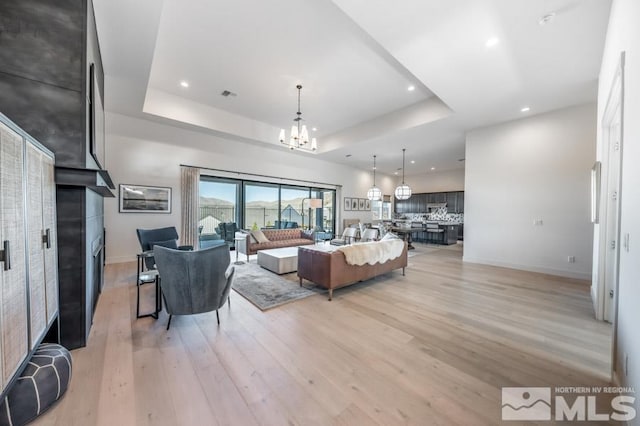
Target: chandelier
pixel 374 193
pixel 299 138
pixel 403 192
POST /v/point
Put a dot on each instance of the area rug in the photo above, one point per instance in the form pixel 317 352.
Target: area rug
pixel 265 289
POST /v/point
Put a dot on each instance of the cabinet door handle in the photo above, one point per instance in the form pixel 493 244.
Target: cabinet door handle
pixel 5 255
pixel 46 238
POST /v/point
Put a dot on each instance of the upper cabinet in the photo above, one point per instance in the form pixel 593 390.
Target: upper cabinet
pixel 452 202
pixel 418 203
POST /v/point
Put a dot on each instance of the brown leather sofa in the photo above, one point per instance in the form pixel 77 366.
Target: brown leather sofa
pixel 329 268
pixel 277 238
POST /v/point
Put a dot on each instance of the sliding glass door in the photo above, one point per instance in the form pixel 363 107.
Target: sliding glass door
pixel 261 205
pixel 292 212
pixel 219 200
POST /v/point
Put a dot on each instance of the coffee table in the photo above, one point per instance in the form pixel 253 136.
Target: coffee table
pixel 281 260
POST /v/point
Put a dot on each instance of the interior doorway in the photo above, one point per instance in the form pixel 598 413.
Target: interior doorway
pixel 609 238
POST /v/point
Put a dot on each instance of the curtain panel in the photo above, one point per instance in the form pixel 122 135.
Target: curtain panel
pixel 189 199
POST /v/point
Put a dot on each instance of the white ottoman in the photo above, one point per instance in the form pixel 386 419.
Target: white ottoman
pixel 281 260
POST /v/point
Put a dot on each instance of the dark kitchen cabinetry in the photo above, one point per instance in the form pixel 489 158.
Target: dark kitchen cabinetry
pixel 460 202
pixel 418 202
pixel 421 202
pixel 452 202
pixel 401 206
pixel 436 197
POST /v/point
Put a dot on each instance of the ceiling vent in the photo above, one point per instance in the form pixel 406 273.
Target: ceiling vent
pixel 227 93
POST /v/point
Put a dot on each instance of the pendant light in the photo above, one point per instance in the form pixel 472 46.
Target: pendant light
pixel 403 192
pixel 374 193
pixel 299 136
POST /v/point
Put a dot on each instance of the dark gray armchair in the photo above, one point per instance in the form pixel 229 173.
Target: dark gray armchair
pixel 166 237
pixel 194 282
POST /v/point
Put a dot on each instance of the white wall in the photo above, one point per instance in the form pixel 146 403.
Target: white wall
pixel 148 153
pixel 447 180
pixel 624 35
pixel 536 168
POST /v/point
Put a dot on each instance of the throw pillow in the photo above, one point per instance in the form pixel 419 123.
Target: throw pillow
pixel 389 236
pixel 252 239
pixel 172 244
pixel 259 236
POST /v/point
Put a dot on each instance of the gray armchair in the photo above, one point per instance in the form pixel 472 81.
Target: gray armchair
pixel 166 237
pixel 349 236
pixel 369 234
pixel 194 282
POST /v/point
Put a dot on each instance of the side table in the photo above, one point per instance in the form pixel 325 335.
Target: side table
pixel 147 277
pixel 236 241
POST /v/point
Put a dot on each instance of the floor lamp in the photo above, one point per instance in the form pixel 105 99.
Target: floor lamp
pixel 314 203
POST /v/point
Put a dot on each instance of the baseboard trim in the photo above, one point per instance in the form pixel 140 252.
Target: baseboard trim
pixel 529 268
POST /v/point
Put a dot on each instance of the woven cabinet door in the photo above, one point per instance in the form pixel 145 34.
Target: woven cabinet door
pixel 13 289
pixel 35 232
pixel 49 225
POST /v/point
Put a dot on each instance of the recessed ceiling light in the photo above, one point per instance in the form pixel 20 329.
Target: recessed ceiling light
pixel 413 161
pixel 184 83
pixel 395 173
pixel 546 19
pixel 315 129
pixel 411 88
pixel 525 109
pixel 492 42
pixel 433 168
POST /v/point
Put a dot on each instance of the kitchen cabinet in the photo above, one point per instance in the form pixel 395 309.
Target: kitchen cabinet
pixel 440 197
pixel 452 202
pixel 460 202
pixel 418 202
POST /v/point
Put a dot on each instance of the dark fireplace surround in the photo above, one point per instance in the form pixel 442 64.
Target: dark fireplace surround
pixel 47 50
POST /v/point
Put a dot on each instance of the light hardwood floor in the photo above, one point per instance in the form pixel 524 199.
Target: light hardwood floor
pixel 433 347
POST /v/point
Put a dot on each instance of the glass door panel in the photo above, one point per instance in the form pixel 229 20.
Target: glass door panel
pixel 218 205
pixel 260 206
pixel 292 212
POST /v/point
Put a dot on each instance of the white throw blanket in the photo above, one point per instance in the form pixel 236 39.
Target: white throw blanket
pixel 372 252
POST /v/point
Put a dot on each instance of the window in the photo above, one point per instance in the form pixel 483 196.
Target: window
pixel 382 209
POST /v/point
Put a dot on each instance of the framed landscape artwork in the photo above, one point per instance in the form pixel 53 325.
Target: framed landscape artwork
pixel 347 203
pixel 361 204
pixel 144 199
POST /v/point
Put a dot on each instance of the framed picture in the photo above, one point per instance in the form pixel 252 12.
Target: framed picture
pixel 354 204
pixel 347 203
pixel 144 199
pixel 367 204
pixel 96 119
pixel 595 192
pixel 361 204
